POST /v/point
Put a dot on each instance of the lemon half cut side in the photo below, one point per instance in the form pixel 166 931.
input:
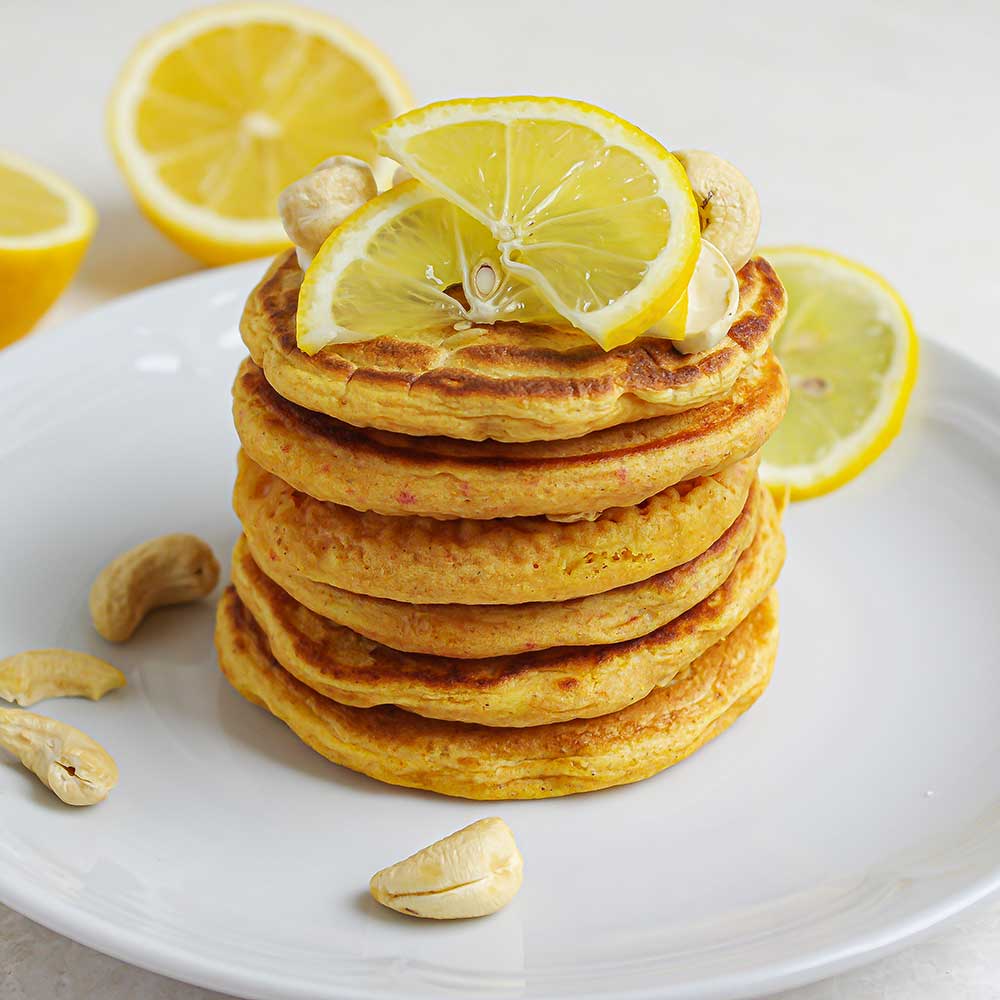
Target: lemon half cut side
pixel 218 111
pixel 45 228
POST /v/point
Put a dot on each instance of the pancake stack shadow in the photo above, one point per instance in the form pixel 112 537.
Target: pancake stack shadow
pixel 565 584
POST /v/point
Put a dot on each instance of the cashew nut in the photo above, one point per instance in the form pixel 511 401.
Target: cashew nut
pixel 171 569
pixel 314 205
pixel 713 300
pixel 727 204
pixel 472 873
pixel 78 770
pixel 37 674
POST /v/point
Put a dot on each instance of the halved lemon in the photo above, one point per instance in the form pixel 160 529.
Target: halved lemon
pixel 45 229
pixel 217 112
pixel 389 268
pixel 583 206
pixel 850 352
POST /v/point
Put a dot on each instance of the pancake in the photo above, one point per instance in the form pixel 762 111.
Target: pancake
pixel 505 561
pixel 509 381
pixel 473 631
pixel 442 477
pixel 527 689
pixel 480 762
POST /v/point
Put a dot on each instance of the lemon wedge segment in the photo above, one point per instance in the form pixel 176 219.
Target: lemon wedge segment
pixel 45 228
pixel 850 352
pixel 217 112
pixel 582 205
pixel 410 264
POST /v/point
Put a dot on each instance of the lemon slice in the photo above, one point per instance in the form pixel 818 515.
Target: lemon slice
pixel 850 353
pixel 585 207
pixel 45 228
pixel 388 269
pixel 217 112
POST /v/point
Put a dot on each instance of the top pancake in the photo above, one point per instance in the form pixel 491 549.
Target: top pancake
pixel 508 382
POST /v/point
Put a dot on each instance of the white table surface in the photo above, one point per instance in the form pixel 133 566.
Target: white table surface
pixel 868 127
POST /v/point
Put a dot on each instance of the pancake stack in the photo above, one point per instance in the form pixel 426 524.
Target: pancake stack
pixel 503 563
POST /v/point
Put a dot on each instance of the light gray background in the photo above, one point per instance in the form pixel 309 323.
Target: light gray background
pixel 869 128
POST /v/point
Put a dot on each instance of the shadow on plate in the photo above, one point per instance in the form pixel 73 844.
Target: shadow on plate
pixel 256 730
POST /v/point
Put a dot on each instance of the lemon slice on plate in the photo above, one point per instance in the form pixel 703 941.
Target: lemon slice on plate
pixel 850 352
pixel 45 229
pixel 396 266
pixel 585 207
pixel 218 111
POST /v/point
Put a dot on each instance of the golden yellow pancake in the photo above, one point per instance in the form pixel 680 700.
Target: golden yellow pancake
pixel 419 560
pixel 466 631
pixel 526 689
pixel 509 381
pixel 444 477
pixel 483 762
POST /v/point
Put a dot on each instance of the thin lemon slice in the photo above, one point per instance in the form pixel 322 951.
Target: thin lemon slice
pixel 850 353
pixel 594 213
pixel 45 229
pixel 217 112
pixel 388 270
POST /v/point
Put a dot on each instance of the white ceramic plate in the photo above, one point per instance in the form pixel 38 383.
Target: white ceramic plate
pixel 855 806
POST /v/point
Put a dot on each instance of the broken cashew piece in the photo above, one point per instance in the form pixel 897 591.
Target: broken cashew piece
pixel 80 771
pixel 472 873
pixel 33 676
pixel 172 569
pixel 314 205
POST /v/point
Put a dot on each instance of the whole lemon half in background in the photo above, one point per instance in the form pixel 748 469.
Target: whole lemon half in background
pixel 215 113
pixel 45 228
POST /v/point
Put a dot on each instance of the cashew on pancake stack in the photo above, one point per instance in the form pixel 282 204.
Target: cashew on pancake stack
pixel 511 565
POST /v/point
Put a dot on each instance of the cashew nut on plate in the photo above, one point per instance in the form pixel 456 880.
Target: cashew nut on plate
pixel 471 873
